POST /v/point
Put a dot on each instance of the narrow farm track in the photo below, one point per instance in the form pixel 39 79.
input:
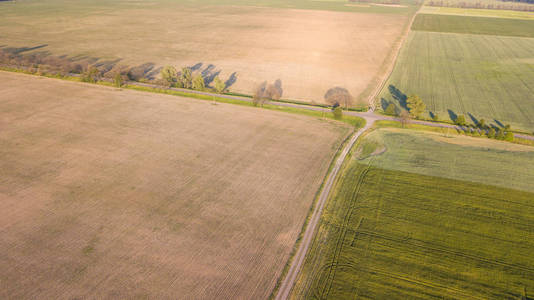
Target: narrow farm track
pixel 298 259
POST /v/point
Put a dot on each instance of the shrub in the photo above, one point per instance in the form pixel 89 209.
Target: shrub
pixel 186 78
pixel 491 133
pixel 460 120
pixel 169 75
pixel 198 83
pixel 509 136
pixel 91 75
pixel 415 105
pixel 391 109
pixel 220 86
pixel 118 80
pixel 500 134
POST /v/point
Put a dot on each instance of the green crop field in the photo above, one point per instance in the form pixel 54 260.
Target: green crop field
pixel 474 12
pixel 474 25
pixel 391 234
pixel 471 159
pixel 490 77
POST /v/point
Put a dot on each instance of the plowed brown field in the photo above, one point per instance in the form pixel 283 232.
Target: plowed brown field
pixel 120 194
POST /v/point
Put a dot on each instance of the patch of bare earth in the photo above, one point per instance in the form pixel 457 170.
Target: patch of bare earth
pixel 309 51
pixel 119 194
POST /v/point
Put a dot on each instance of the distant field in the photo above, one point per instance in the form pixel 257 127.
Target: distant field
pixel 390 234
pixel 311 49
pixel 482 4
pixel 494 13
pixel 471 159
pixel 333 5
pixel 490 77
pixel 119 194
pixel 474 25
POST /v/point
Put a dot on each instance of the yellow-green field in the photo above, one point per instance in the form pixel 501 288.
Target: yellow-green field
pixel 494 13
pixel 426 217
pixel 461 65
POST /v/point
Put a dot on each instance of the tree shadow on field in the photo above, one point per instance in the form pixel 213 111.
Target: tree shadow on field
pixel 17 51
pixel 432 115
pixel 106 66
pixel 452 115
pixel 231 80
pixel 398 95
pixel 384 103
pixel 153 73
pixel 209 74
pixel 475 120
pixel 499 123
pixel 37 59
pixel 141 71
pixel 196 67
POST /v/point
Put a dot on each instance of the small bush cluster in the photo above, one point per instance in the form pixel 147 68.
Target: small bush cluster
pixel 187 79
pixel 481 130
pixel 265 91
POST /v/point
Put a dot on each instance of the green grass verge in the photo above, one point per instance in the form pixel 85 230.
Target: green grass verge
pixel 360 109
pixel 393 234
pixel 489 77
pixel 357 122
pixel 474 25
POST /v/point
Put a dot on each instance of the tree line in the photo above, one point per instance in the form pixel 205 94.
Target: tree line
pixel 415 107
pixel 87 69
pixel 187 79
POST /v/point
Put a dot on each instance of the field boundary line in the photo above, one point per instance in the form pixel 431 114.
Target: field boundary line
pixel 298 260
pixel 372 98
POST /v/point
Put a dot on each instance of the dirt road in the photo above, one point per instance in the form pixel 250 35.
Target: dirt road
pixel 298 259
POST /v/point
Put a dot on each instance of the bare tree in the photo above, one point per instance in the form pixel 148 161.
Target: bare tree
pixel 260 96
pixel 274 91
pixel 339 96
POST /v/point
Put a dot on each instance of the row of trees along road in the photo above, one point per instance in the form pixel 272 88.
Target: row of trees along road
pixel 187 80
